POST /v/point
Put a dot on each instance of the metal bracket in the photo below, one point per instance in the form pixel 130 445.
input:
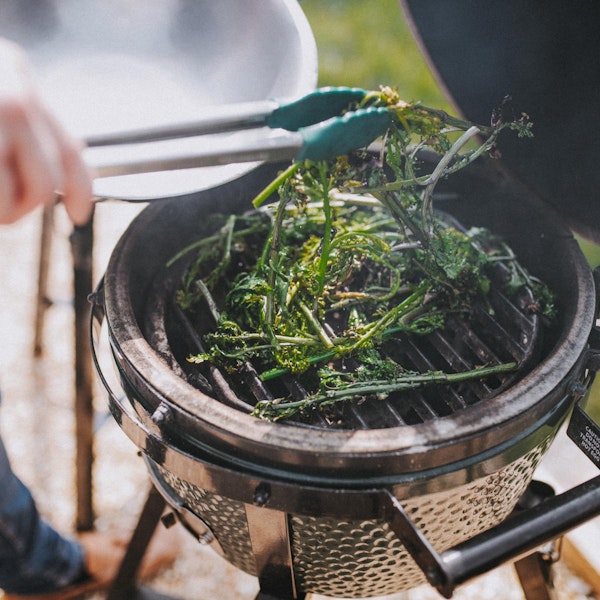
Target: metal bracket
pixel 191 522
pixel 270 538
pixel 417 545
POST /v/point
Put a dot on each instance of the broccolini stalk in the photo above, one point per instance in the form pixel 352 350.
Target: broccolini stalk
pixel 350 258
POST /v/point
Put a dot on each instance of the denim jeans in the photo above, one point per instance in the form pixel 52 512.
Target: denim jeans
pixel 34 558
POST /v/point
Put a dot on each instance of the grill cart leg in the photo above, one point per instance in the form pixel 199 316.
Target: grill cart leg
pixel 535 570
pixel 124 588
pixel 43 302
pixel 82 242
pixel 535 575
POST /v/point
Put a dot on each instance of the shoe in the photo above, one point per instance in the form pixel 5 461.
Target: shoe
pixel 104 554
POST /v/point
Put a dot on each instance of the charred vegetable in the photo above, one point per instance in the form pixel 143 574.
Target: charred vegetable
pixel 350 255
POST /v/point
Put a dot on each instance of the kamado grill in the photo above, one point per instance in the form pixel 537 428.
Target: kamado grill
pixel 397 492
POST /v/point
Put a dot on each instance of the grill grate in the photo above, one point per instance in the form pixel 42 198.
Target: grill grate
pixel 503 331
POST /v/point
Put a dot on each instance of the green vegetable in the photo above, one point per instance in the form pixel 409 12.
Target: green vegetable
pixel 346 259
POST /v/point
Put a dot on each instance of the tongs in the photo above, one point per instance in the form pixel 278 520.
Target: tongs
pixel 318 126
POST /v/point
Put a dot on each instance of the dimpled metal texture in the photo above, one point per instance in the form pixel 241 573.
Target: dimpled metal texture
pixel 225 517
pixel 365 559
pixel 360 559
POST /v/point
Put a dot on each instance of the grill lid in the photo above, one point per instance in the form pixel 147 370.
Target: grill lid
pixel 546 56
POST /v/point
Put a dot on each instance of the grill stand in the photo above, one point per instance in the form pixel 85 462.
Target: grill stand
pixel 269 534
pixel 535 570
pixel 535 576
pixel 124 587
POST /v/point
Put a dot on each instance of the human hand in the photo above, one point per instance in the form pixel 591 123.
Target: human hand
pixel 37 157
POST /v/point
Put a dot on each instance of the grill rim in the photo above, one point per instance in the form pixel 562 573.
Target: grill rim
pixel 421 446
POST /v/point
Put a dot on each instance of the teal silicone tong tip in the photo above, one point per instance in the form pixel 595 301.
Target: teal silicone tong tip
pixel 315 107
pixel 339 135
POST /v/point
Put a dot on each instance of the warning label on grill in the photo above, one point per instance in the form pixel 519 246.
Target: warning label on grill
pixel 586 434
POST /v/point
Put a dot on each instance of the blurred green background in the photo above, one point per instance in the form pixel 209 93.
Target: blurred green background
pixel 367 43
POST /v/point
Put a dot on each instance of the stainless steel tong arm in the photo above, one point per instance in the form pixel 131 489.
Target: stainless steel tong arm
pixel 264 145
pixel 216 119
pixel 320 125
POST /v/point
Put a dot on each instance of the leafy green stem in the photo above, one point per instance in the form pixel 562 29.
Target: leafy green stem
pixel 327 229
pixel 276 409
pixel 211 240
pixel 274 259
pixel 267 192
pixel 317 327
pixel 402 313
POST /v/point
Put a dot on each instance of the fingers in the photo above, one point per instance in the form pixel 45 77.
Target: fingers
pixel 24 173
pixel 8 185
pixel 29 163
pixel 76 188
pixel 37 157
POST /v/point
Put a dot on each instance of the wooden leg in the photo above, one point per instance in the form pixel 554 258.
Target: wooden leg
pixel 82 242
pixel 123 587
pixel 535 576
pixel 42 301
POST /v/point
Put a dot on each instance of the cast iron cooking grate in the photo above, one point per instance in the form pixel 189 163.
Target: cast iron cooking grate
pixel 505 330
